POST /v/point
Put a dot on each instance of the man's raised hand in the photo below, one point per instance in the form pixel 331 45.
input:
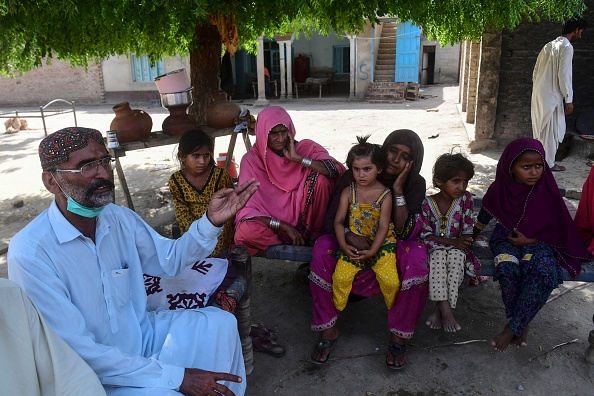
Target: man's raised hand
pixel 227 202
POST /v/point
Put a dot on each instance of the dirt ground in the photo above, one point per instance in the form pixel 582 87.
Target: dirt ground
pixel 437 365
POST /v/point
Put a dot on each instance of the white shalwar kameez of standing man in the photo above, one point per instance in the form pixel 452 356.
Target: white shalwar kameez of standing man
pixel 552 92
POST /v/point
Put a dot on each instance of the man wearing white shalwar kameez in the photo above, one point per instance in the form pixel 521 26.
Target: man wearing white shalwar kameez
pixel 552 92
pixel 82 262
pixel 35 361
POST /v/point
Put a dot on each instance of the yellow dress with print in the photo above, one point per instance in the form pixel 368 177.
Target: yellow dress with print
pixel 364 221
pixel 191 203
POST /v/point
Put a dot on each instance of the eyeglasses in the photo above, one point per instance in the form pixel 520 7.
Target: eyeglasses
pixel 92 168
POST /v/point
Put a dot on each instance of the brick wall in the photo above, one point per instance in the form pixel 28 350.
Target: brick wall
pixel 519 51
pixel 56 81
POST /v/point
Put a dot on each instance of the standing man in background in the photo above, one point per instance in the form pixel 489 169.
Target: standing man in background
pixel 551 87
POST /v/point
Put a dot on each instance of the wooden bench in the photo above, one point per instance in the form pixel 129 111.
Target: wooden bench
pixel 481 250
pixel 158 139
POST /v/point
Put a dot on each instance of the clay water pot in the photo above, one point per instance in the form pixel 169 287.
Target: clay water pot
pixel 178 122
pixel 130 125
pixel 221 113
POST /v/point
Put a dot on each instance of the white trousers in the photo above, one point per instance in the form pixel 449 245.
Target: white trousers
pixel 205 338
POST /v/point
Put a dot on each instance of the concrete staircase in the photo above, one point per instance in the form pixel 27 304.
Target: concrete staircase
pixel 384 89
pixel 385 62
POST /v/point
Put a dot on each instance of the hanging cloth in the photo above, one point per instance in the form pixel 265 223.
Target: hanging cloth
pixel 227 29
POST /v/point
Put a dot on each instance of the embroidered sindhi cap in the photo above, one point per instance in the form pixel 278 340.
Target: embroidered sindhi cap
pixel 54 149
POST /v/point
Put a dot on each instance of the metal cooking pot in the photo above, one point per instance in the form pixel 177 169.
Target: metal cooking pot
pixel 177 99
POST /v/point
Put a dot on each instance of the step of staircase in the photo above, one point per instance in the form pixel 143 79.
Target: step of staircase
pixel 385 66
pixel 387 52
pixel 387 56
pixel 385 72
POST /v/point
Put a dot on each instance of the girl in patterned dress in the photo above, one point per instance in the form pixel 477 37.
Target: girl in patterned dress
pixel 447 232
pixel 369 214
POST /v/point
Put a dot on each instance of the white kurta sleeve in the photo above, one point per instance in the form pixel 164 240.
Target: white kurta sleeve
pixel 565 73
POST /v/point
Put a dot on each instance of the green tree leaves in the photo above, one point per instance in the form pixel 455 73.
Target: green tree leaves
pixel 81 30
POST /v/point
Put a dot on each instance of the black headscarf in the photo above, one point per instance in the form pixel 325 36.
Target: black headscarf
pixel 414 187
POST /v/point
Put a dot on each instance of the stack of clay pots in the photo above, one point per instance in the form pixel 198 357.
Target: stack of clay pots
pixel 176 96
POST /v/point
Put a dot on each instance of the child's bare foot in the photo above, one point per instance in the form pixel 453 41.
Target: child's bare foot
pixel 520 342
pixel 434 320
pixel 502 340
pixel 447 318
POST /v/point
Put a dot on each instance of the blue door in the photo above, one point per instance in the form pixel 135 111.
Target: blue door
pixel 408 46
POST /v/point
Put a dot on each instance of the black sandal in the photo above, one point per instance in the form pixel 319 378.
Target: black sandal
pixel 320 347
pixel 395 350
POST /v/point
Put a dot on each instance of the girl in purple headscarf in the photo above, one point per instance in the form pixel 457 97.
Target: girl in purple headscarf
pixel 534 237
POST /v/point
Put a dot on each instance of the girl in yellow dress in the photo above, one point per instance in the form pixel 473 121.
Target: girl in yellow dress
pixel 369 214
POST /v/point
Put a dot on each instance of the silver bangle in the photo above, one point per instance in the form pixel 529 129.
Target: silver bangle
pixel 400 201
pixel 306 162
pixel 274 223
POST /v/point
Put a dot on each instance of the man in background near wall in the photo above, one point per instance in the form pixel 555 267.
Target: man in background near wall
pixel 552 92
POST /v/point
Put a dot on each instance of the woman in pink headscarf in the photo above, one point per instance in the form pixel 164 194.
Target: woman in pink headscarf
pixel 296 180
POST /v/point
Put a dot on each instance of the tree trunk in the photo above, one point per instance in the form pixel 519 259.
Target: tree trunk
pixel 205 62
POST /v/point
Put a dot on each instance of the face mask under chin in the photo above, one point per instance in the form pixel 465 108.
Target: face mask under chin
pixel 81 210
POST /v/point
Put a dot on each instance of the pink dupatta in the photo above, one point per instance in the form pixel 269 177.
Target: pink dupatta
pixel 282 190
